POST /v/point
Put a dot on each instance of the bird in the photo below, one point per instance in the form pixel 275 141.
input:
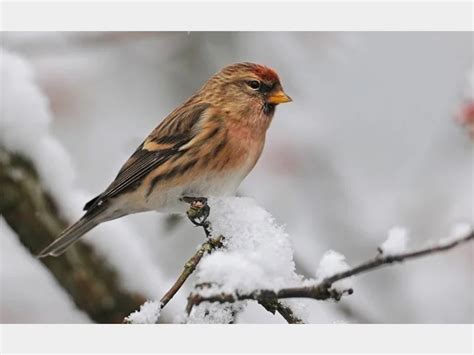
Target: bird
pixel 205 147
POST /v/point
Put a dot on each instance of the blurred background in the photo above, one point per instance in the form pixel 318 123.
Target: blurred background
pixel 373 139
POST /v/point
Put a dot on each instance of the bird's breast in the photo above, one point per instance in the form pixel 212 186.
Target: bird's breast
pixel 218 168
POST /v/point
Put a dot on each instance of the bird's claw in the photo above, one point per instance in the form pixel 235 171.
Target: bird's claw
pixel 198 210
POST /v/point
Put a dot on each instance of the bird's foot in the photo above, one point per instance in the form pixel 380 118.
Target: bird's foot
pixel 198 212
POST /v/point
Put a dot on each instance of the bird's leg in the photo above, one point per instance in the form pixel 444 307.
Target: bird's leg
pixel 198 212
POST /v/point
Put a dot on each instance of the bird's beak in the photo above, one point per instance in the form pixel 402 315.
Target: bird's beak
pixel 278 97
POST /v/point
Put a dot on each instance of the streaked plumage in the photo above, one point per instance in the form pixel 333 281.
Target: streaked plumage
pixel 205 147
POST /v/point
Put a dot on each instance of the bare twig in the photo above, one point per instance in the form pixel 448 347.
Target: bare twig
pixel 349 311
pixel 381 260
pixel 324 290
pixel 197 213
pixel 190 266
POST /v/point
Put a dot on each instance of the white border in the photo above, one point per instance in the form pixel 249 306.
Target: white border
pixel 263 15
pixel 238 338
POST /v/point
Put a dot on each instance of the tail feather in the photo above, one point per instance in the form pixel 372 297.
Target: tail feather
pixel 69 237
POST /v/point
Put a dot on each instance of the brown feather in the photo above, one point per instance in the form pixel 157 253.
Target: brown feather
pixel 206 145
pixel 150 154
pixel 221 127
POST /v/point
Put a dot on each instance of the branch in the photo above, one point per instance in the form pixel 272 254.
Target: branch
pixel 273 305
pixel 31 212
pixel 324 290
pixel 197 213
pixel 206 247
pixel 381 260
pixel 346 310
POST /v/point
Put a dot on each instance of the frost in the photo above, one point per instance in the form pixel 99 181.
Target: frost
pixel 396 242
pixel 333 263
pixel 459 231
pixel 148 314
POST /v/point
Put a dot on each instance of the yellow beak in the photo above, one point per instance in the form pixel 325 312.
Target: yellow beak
pixel 278 97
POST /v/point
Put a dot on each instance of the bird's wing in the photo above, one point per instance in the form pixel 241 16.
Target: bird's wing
pixel 164 142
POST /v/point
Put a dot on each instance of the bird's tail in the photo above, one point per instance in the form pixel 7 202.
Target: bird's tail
pixel 70 235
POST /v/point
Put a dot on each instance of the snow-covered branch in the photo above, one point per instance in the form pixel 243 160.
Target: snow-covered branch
pixel 33 214
pixel 324 290
pixel 39 198
pixel 251 260
pixel 195 213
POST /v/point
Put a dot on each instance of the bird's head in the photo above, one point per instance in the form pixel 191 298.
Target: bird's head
pixel 247 89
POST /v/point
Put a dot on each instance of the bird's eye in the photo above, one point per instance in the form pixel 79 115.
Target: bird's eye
pixel 254 84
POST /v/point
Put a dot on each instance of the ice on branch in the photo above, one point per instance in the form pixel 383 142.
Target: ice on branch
pixel 396 242
pixel 459 231
pixel 148 314
pixel 333 263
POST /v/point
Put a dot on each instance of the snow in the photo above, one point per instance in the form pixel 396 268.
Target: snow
pixel 458 231
pixel 333 263
pixel 215 313
pixel 396 242
pixel 148 314
pixel 461 230
pixel 28 291
pixel 298 307
pixel 258 253
pixel 25 127
pixel 332 170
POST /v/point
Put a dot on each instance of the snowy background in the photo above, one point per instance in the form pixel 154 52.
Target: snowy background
pixel 370 142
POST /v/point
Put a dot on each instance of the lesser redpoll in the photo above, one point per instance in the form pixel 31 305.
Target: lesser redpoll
pixel 205 147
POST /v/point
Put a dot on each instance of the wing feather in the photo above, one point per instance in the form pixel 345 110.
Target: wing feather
pixel 174 132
